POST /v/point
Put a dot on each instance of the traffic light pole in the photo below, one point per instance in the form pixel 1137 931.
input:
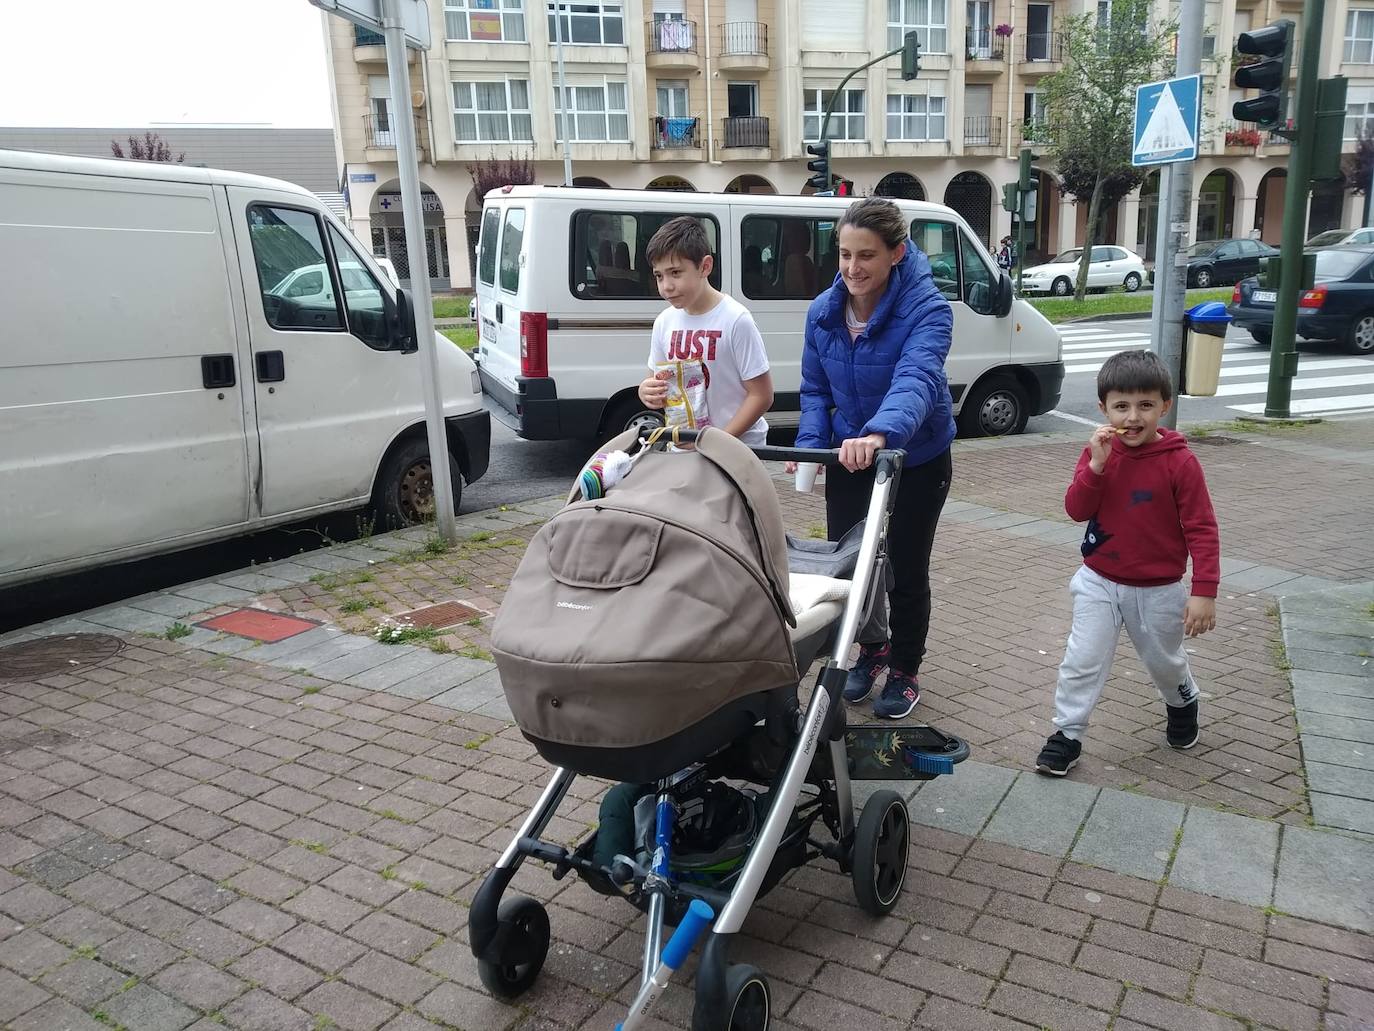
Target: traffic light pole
pixel 1283 356
pixel 839 91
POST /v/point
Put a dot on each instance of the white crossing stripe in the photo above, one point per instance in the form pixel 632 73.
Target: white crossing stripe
pixel 1299 383
pixel 1346 404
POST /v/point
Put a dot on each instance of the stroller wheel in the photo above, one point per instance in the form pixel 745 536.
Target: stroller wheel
pixel 524 936
pixel 881 842
pixel 751 1002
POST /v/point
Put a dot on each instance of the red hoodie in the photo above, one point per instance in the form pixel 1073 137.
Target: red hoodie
pixel 1146 513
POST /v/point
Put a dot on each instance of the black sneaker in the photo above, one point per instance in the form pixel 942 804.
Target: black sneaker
pixel 1059 755
pixel 900 695
pixel 1182 731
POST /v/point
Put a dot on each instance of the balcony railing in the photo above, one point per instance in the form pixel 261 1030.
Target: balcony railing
pixel 1042 46
pixel 674 133
pixel 746 131
pixel 381 132
pixel 983 44
pixel 982 131
pixel 367 38
pixel 744 38
pixel 673 37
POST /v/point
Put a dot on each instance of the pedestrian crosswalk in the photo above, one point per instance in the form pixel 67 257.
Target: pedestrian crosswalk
pixel 1326 384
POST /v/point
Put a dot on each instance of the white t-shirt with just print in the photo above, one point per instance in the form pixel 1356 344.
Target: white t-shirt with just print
pixel 728 342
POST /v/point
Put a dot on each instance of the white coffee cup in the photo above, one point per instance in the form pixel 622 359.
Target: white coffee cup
pixel 806 476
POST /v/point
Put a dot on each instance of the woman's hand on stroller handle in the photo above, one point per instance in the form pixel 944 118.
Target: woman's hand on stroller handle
pixel 877 454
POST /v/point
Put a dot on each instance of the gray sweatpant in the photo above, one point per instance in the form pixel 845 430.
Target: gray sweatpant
pixel 1153 617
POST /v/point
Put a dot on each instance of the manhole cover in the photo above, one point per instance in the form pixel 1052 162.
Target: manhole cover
pixel 32 660
pixel 449 613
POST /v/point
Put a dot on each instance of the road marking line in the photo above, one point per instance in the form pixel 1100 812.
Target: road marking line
pixel 1071 417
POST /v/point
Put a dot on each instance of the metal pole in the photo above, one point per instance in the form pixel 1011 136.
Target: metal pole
pixel 1020 216
pixel 412 213
pixel 1161 231
pixel 1369 198
pixel 839 90
pixel 563 94
pixel 1283 354
pixel 1169 342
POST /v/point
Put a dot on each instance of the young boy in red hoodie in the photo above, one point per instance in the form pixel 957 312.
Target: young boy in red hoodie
pixel 1146 504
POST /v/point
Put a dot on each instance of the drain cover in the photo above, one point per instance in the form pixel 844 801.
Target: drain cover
pixel 449 613
pixel 32 660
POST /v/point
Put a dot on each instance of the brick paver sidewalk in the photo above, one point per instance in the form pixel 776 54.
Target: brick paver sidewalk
pixel 194 840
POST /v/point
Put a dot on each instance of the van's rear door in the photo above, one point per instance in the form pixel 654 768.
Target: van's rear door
pixel 121 420
pixel 498 346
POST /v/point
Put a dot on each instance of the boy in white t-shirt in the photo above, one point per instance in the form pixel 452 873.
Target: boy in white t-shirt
pixel 705 325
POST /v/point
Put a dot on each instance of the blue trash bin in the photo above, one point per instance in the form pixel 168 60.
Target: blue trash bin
pixel 1204 340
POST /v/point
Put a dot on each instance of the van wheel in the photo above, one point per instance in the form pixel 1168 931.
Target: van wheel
pixel 1062 287
pixel 996 406
pixel 404 494
pixel 630 414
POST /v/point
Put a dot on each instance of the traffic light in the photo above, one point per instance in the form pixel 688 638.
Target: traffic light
pixel 1273 45
pixel 820 166
pixel 911 56
pixel 1011 197
pixel 1024 170
pixel 843 187
pixel 1328 138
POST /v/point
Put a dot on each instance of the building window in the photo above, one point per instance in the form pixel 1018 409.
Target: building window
pixel 596 113
pixel 1359 36
pixel 589 24
pixel 1359 113
pixel 492 21
pixel 927 18
pixel 915 117
pixel 672 98
pixel 846 121
pixel 488 112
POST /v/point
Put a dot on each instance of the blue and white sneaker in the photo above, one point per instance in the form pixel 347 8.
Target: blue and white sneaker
pixel 872 664
pixel 900 695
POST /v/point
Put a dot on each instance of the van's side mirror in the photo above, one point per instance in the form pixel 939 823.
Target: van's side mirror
pixel 1002 301
pixel 403 335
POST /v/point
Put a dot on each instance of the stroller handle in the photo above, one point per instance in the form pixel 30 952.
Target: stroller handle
pixel 890 457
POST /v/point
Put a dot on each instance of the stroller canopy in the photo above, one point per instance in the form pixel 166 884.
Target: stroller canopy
pixel 636 616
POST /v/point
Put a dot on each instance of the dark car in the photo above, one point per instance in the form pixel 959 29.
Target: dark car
pixel 1340 305
pixel 1225 261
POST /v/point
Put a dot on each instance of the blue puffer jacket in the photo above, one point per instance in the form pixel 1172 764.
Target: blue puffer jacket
pixel 891 380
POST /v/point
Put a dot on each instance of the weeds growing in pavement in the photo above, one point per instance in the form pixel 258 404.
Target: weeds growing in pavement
pixel 403 632
pixel 176 631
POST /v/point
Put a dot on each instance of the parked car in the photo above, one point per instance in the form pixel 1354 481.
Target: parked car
pixel 472 309
pixel 388 268
pixel 1225 261
pixel 566 300
pixel 1338 238
pixel 1109 266
pixel 216 383
pixel 1340 305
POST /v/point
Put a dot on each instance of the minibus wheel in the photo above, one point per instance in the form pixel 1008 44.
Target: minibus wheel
pixel 404 494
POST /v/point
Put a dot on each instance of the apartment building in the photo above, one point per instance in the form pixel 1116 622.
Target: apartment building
pixel 723 95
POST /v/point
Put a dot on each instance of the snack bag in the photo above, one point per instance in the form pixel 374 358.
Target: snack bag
pixel 685 404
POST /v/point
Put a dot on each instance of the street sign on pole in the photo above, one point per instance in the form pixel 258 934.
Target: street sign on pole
pixel 368 14
pixel 405 23
pixel 1166 121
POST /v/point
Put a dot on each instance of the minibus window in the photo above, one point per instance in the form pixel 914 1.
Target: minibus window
pixel 293 270
pixel 608 253
pixel 937 240
pixel 511 239
pixel 787 257
pixel 486 248
pixel 978 277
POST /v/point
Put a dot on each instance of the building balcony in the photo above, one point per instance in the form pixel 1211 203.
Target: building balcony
pixel 379 136
pixel 743 46
pixel 675 137
pixel 982 131
pixel 672 44
pixel 368 46
pixel 745 131
pixel 985 52
pixel 1041 53
pixel 1033 133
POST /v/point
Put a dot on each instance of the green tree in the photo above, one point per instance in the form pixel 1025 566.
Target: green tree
pixel 1091 106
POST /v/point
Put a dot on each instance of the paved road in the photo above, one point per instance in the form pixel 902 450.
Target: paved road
pixel 1330 381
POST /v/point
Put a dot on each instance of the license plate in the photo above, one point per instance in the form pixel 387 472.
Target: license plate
pixel 488 330
pixel 1264 296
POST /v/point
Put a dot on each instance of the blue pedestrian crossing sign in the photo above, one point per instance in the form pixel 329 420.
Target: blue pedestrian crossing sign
pixel 1166 121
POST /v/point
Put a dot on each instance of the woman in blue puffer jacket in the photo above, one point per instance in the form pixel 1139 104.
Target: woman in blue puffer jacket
pixel 873 376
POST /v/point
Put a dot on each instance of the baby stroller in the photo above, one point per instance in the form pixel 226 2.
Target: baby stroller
pixel 656 637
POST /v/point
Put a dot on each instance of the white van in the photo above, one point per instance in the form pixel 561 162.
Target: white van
pixel 155 393
pixel 566 301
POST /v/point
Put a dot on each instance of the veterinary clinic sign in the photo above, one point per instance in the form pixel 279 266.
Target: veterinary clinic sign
pixel 390 203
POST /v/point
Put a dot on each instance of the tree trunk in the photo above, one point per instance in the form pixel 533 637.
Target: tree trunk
pixel 1090 234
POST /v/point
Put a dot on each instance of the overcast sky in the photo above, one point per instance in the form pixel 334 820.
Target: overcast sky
pixel 141 62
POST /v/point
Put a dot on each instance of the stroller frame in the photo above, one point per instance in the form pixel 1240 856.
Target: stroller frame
pixel 510 939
